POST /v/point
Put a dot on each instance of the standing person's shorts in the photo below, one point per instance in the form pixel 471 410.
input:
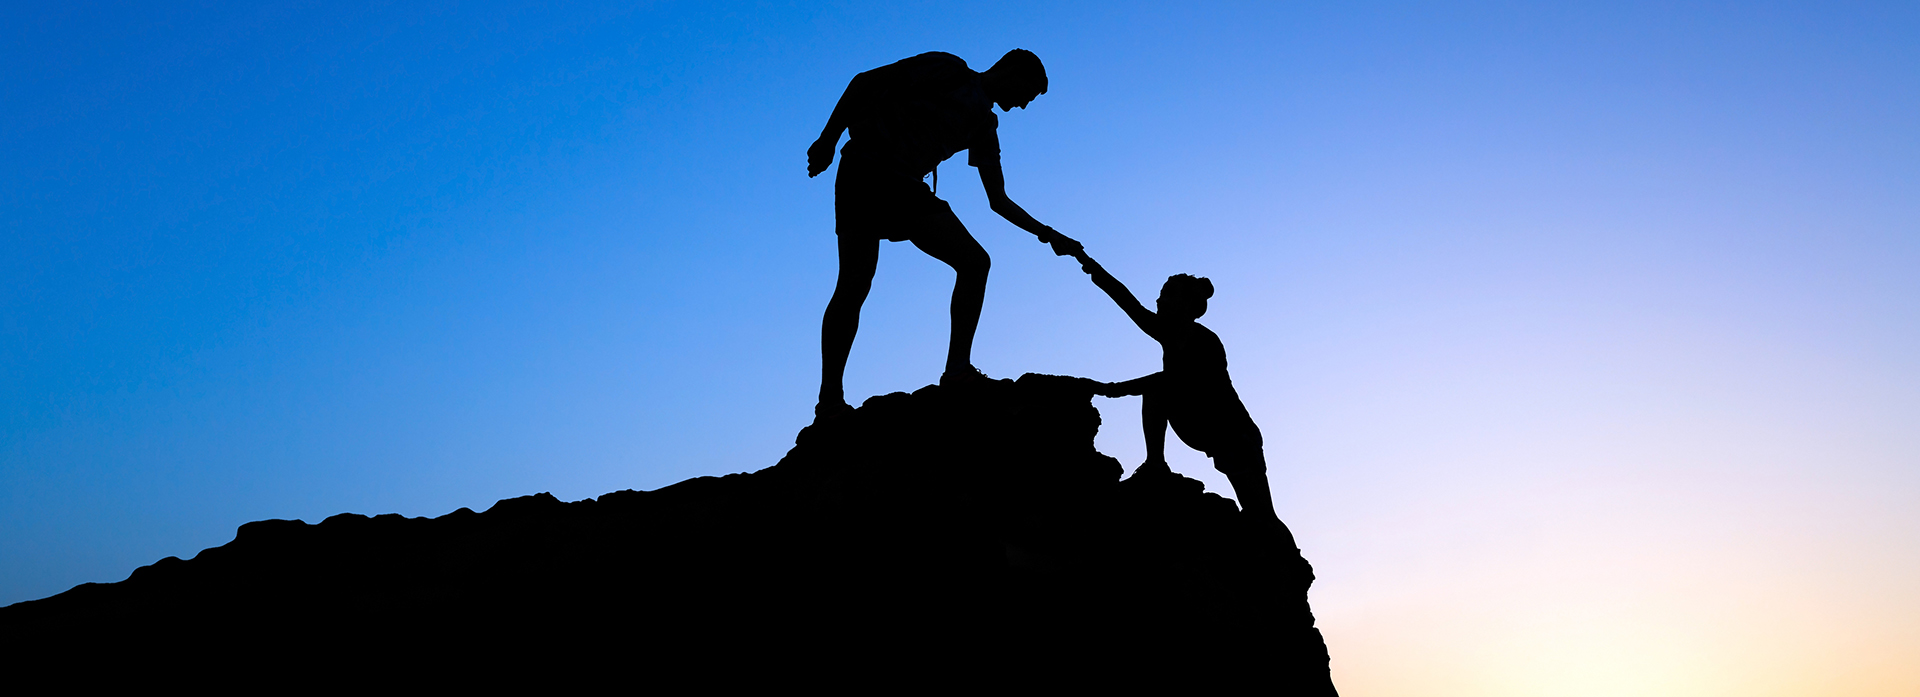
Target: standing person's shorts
pixel 874 203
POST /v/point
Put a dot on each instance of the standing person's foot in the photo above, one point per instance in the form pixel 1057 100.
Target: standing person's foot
pixel 968 377
pixel 1153 468
pixel 828 410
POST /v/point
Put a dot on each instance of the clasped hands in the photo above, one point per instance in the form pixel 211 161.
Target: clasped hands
pixel 1063 246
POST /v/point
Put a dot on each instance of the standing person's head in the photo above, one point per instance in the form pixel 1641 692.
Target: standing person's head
pixel 1016 79
pixel 1184 297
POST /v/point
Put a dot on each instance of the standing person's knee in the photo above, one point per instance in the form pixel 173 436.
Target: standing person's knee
pixel 946 239
pixel 975 265
pixel 969 261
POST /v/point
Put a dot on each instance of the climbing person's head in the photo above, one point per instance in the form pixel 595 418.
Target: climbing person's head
pixel 1016 79
pixel 1184 297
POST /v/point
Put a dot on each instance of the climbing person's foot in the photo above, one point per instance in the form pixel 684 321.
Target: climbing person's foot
pixel 966 377
pixel 830 409
pixel 1270 529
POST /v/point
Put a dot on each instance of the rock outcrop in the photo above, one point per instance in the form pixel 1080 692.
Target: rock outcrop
pixel 945 538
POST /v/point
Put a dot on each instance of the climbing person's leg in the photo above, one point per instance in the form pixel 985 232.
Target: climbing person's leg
pixel 1153 424
pixel 943 237
pixel 858 257
pixel 1246 469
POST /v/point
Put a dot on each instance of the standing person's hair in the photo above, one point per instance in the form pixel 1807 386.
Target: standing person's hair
pixel 1020 64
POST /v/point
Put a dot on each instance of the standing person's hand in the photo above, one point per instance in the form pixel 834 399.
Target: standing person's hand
pixel 820 155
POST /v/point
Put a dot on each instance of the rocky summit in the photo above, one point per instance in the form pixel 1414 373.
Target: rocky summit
pixel 952 537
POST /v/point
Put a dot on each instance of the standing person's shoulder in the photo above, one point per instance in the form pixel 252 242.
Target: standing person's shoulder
pixel 917 74
pixel 938 58
pixel 933 68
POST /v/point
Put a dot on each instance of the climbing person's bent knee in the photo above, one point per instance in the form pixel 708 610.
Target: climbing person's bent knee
pixel 1241 461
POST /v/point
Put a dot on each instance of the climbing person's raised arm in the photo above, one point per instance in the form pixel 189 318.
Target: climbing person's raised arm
pixel 995 182
pixel 1147 321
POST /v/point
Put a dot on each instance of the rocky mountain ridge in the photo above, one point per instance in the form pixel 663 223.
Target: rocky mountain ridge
pixel 946 537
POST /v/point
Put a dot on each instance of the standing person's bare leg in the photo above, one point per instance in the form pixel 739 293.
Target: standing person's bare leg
pixel 858 257
pixel 948 240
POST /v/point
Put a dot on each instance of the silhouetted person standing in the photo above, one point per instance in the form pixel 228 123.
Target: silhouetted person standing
pixel 906 118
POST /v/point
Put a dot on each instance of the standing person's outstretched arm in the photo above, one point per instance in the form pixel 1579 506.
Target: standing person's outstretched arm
pixel 1147 320
pixel 995 182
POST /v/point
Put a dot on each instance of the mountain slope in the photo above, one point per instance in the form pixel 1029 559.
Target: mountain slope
pixel 943 537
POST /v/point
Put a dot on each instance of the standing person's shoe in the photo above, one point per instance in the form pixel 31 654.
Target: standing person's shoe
pixel 827 411
pixel 971 377
pixel 1153 468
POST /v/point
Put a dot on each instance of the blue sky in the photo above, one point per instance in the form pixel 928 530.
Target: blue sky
pixel 1585 336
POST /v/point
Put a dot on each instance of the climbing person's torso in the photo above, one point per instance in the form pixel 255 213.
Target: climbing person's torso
pixel 1195 364
pixel 924 109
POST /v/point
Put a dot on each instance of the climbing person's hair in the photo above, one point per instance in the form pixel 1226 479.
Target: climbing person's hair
pixel 1189 292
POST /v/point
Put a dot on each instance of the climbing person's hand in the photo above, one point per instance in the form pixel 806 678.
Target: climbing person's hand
pixel 820 155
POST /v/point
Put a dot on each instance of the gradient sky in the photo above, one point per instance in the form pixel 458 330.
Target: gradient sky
pixel 1585 337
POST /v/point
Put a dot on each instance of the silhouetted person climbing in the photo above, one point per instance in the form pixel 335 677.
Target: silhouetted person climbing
pixel 1192 391
pixel 906 118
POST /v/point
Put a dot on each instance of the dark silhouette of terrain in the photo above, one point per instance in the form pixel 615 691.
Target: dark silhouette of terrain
pixel 955 537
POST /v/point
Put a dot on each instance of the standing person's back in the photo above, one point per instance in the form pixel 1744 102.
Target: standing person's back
pixel 926 109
